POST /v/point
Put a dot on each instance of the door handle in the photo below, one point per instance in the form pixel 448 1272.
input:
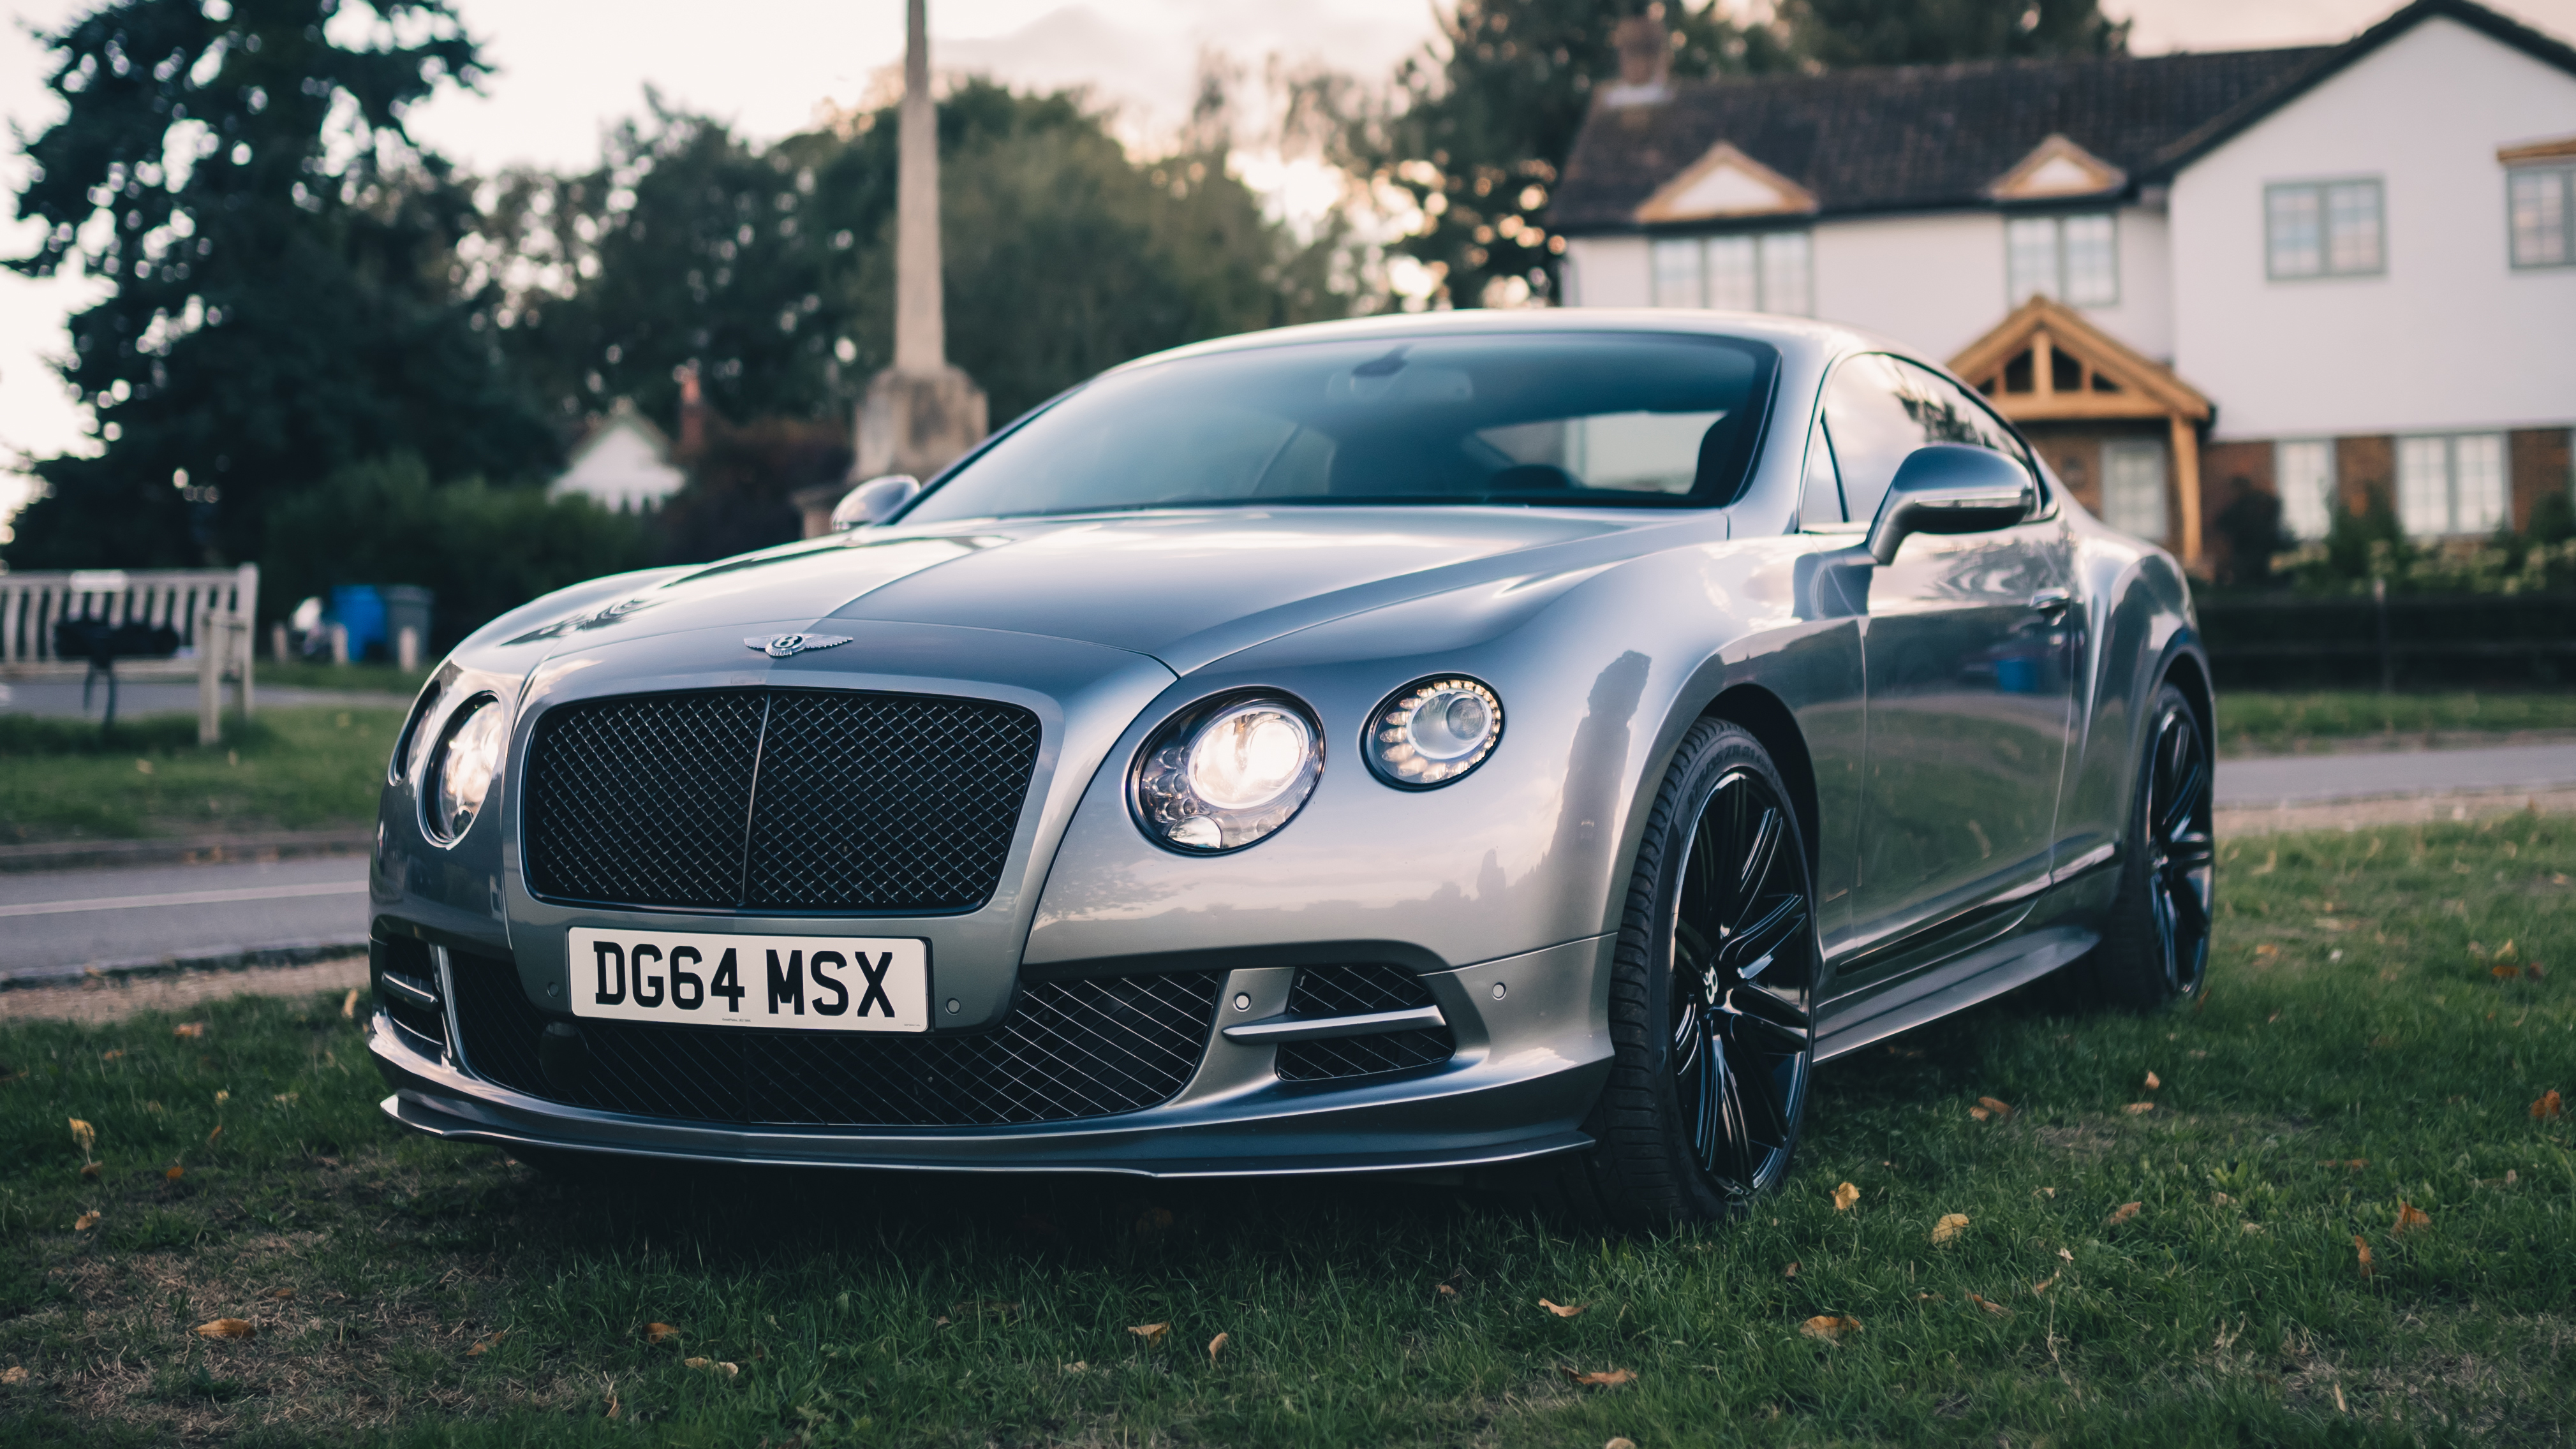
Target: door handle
pixel 2051 601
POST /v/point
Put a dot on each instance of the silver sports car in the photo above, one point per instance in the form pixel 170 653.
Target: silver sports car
pixel 1424 744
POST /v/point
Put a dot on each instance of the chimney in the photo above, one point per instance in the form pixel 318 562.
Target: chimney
pixel 1645 59
pixel 693 414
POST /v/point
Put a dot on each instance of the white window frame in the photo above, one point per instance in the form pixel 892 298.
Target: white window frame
pixel 2120 517
pixel 2563 178
pixel 2322 191
pixel 1763 246
pixel 2055 284
pixel 2424 512
pixel 2307 494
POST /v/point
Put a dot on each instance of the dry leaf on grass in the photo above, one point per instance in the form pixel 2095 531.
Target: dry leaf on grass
pixel 1789 1272
pixel 2504 972
pixel 2410 1217
pixel 228 1328
pixel 190 1029
pixel 1152 1333
pixel 89 1170
pixel 1216 1346
pixel 84 1135
pixel 1561 1310
pixel 1995 1107
pixel 2154 1081
pixel 349 1004
pixel 1602 1378
pixel 659 1332
pixel 2134 1108
pixel 15 1374
pixel 729 1370
pixel 109 1056
pixel 211 1136
pixel 1621 1442
pixel 1845 1196
pixel 176 1172
pixel 1990 1305
pixel 85 1221
pixel 2549 1105
pixel 1443 1290
pixel 2043 1285
pixel 2362 1248
pixel 1829 1327
pixel 1950 1226
pixel 2125 1211
pixel 487 1343
pixel 279 1294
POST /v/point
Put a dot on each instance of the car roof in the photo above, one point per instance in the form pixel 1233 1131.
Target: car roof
pixel 1798 335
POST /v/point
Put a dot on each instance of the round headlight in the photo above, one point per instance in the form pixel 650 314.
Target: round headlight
pixel 1433 731
pixel 1227 773
pixel 461 770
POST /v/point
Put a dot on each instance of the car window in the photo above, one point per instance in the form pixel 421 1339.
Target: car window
pixel 1878 409
pixel 1564 419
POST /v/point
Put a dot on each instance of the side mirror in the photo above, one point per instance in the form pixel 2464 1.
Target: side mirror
pixel 1950 488
pixel 874 501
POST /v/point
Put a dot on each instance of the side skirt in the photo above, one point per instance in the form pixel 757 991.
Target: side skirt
pixel 1981 974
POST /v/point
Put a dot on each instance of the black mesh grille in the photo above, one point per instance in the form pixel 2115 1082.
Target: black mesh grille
pixel 1351 991
pixel 862 802
pixel 1067 1050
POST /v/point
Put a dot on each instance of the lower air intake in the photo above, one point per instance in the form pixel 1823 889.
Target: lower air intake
pixel 1354 991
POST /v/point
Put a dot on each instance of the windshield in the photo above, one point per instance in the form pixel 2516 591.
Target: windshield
pixel 1579 419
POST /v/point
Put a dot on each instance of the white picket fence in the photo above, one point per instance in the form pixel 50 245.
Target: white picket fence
pixel 211 610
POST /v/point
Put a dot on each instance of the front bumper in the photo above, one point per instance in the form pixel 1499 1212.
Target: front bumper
pixel 1533 1048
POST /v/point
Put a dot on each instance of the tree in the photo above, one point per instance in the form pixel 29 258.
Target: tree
pixel 1479 125
pixel 279 258
pixel 1840 34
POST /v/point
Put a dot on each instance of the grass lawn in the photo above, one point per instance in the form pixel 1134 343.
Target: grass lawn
pixel 2165 1260
pixel 2254 723
pixel 282 769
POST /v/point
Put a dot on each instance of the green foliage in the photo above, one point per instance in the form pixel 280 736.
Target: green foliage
pixel 2369 544
pixel 482 549
pixel 298 769
pixel 279 258
pixel 1841 34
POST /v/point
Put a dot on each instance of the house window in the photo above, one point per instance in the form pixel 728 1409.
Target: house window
pixel 1761 272
pixel 2133 487
pixel 2304 472
pixel 2541 201
pixel 2324 229
pixel 2453 485
pixel 2074 259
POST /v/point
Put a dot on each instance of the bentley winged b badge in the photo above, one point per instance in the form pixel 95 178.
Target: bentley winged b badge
pixel 786 645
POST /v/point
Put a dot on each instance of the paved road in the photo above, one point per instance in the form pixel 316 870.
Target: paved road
pixel 2308 779
pixel 70 918
pixel 62 698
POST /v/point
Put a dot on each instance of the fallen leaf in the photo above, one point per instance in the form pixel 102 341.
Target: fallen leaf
pixel 658 1332
pixel 1216 1346
pixel 222 1097
pixel 283 1098
pixel 2267 951
pixel 85 1221
pixel 1603 1378
pixel 2043 1285
pixel 89 1170
pixel 2549 1105
pixel 190 1029
pixel 1443 1290
pixel 1990 1305
pixel 729 1370
pixel 279 1294
pixel 1621 1442
pixel 2505 950
pixel 1950 1226
pixel 84 1135
pixel 2134 1108
pixel 2410 1217
pixel 487 1343
pixel 1996 1105
pixel 2504 971
pixel 1981 1114
pixel 349 1004
pixel 2070 1257
pixel 695 1362
pixel 228 1328
pixel 1152 1221
pixel 1152 1333
pixel 1561 1310
pixel 1828 1327
pixel 1789 1272
pixel 2125 1211
pixel 14 1374
pixel 2154 1081
pixel 110 1056
pixel 2363 1249
pixel 211 1136
pixel 176 1172
pixel 1845 1196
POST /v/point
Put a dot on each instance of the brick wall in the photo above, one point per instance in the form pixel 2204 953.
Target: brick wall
pixel 2539 465
pixel 2363 467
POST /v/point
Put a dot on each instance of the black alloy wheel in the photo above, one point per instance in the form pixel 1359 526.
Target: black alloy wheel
pixel 2155 937
pixel 1711 1000
pixel 1742 964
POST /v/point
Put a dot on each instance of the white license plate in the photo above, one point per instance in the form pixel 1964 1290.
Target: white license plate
pixel 791 983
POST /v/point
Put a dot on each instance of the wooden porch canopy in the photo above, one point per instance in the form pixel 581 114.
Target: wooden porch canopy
pixel 2046 364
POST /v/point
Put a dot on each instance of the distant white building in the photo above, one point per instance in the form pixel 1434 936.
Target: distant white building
pixel 624 462
pixel 2320 272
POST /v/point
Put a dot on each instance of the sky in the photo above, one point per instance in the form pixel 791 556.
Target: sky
pixel 566 71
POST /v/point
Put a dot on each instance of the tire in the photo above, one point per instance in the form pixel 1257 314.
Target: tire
pixel 2155 940
pixel 1708 1081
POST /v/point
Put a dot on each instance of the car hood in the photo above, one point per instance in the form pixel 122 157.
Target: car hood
pixel 1181 587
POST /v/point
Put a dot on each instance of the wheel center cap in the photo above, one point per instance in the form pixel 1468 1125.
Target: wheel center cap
pixel 1710 989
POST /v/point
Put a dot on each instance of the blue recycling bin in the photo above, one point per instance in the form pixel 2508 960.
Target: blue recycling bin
pixel 359 609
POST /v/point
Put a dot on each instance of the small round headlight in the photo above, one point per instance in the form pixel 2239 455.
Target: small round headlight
pixel 461 770
pixel 1227 773
pixel 1433 731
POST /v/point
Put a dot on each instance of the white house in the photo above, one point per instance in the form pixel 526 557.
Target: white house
pixel 2320 272
pixel 623 462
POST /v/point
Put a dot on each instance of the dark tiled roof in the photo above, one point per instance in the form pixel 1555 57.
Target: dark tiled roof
pixel 1912 137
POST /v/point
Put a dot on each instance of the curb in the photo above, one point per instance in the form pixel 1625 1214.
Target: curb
pixel 185 850
pixel 200 958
